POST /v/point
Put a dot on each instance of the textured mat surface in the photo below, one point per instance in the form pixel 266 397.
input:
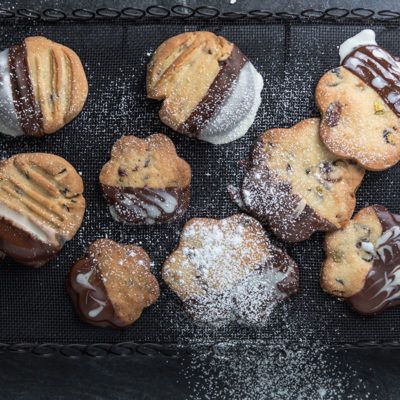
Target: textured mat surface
pixel 34 306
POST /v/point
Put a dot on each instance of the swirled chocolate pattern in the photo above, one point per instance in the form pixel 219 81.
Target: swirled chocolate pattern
pixel 382 286
pixel 146 205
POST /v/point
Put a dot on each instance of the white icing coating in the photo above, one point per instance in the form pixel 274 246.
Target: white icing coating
pixel 363 38
pixel 9 123
pixel 45 234
pixel 83 280
pixel 236 116
pixel 94 313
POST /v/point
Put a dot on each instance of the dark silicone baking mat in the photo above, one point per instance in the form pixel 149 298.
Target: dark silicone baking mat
pixel 291 56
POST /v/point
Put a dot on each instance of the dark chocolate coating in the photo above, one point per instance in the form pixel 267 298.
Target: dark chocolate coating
pixel 274 203
pixel 382 286
pixel 372 62
pixel 26 107
pixel 217 94
pixel 83 297
pixel 134 211
pixel 222 308
pixel 24 247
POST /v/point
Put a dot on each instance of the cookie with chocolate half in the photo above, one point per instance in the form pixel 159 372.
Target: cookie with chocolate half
pixel 145 182
pixel 360 104
pixel 228 271
pixel 42 87
pixel 112 284
pixel 210 90
pixel 295 185
pixel 41 206
pixel 362 264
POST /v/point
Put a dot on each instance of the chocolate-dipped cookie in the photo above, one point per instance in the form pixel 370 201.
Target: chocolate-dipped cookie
pixel 112 284
pixel 295 185
pixel 41 206
pixel 145 182
pixel 227 270
pixel 210 90
pixel 42 87
pixel 360 104
pixel 362 263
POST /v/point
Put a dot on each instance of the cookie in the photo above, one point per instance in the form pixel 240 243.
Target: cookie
pixel 145 182
pixel 360 104
pixel 295 185
pixel 42 87
pixel 227 270
pixel 112 284
pixel 210 90
pixel 362 264
pixel 41 206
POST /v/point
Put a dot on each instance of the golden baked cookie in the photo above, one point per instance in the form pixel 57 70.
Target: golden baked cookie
pixel 112 284
pixel 362 262
pixel 209 89
pixel 360 104
pixel 41 206
pixel 228 270
pixel 44 87
pixel 295 185
pixel 145 182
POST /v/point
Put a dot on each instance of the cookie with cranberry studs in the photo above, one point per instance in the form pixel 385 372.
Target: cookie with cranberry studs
pixel 360 104
pixel 145 182
pixel 112 284
pixel 295 185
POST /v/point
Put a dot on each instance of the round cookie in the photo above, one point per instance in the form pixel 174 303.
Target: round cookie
pixel 360 104
pixel 295 185
pixel 227 270
pixel 41 206
pixel 145 182
pixel 112 284
pixel 362 264
pixel 210 90
pixel 43 87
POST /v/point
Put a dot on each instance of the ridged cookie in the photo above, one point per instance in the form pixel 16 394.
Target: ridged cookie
pixel 209 89
pixel 112 284
pixel 43 87
pixel 145 182
pixel 295 185
pixel 41 206
pixel 362 262
pixel 360 104
pixel 228 270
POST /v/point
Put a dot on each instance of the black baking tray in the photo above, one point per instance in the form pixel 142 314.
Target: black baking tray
pixel 291 52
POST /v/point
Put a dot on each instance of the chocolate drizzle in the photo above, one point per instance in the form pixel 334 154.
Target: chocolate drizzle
pixel 89 295
pixel 23 247
pixel 26 107
pixel 133 205
pixel 382 286
pixel 217 94
pixel 379 70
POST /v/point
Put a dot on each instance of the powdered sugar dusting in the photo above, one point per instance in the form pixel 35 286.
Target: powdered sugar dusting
pixel 224 271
